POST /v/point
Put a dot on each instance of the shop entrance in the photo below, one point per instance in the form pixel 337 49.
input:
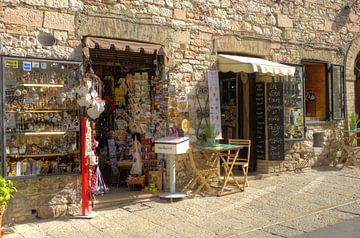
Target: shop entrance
pixel 131 88
pixel 235 107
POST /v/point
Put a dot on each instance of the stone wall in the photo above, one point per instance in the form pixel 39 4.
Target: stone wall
pixel 44 197
pixel 193 32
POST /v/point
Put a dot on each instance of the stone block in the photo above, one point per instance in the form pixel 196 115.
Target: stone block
pixel 189 54
pixel 169 3
pixel 57 3
pixel 179 14
pixel 225 3
pixel 59 21
pixel 284 21
pixel 74 43
pixel 73 209
pixel 76 5
pixel 205 36
pixel 23 16
pixel 353 27
pixel 34 2
pixel 60 35
pixel 182 37
pixel 165 12
pixel 51 211
pixel 153 10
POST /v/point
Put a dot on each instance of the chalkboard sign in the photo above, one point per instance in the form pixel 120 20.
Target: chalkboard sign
pixel 275 118
pixel 259 143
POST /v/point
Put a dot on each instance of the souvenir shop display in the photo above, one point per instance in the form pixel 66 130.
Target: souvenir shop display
pixel 41 117
pixel 136 112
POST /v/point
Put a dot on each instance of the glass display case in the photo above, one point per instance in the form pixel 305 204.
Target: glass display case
pixel 294 128
pixel 40 117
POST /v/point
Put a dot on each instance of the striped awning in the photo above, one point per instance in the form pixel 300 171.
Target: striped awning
pixel 237 64
pixel 91 42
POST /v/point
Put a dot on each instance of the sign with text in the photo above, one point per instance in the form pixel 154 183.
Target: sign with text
pixel 214 101
pixel 259 143
pixel 275 118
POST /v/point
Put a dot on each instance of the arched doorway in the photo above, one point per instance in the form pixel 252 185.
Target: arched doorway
pixel 357 83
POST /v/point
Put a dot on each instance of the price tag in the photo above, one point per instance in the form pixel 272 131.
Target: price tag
pixel 12 64
pixel 26 66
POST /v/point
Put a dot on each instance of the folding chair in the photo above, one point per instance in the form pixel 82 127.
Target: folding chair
pixel 200 174
pixel 237 159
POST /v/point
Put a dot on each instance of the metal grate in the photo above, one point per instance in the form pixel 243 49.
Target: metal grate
pixel 127 59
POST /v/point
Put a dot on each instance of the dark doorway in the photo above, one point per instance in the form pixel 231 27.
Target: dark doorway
pixel 235 108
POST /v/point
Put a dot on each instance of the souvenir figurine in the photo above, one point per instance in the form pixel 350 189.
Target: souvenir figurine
pixel 44 167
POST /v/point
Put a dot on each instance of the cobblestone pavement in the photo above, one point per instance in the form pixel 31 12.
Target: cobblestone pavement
pixel 276 206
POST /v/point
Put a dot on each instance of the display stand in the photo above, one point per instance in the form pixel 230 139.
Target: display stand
pixel 172 146
pixel 172 194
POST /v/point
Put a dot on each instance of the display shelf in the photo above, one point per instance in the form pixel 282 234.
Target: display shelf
pixel 45 85
pixel 40 155
pixel 34 176
pixel 43 110
pixel 40 133
pixel 41 117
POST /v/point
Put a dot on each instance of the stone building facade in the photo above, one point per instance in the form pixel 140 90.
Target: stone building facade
pixel 192 32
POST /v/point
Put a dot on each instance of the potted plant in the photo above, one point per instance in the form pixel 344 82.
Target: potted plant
pixel 209 132
pixel 354 120
pixel 6 190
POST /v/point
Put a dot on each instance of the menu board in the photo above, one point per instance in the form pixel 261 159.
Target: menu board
pixel 214 102
pixel 259 143
pixel 275 112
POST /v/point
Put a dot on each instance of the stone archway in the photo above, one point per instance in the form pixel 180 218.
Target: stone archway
pixel 350 59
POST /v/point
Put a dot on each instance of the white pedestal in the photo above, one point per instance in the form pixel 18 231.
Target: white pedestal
pixel 172 194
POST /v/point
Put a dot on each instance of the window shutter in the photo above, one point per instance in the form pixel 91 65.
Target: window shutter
pixel 337 92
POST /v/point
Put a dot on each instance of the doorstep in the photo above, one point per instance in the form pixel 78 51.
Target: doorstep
pixel 118 197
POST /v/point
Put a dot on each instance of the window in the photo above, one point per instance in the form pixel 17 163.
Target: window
pixel 294 127
pixel 324 91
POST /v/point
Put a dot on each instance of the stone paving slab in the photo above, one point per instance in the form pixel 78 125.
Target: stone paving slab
pixel 279 206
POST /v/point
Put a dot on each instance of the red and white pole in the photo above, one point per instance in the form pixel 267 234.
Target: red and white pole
pixel 85 192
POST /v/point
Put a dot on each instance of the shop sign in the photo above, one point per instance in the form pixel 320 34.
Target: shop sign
pixel 43 65
pixel 26 66
pixel 214 101
pixel 11 64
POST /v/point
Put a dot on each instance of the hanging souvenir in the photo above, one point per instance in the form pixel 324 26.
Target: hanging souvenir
pixel 136 168
pixel 98 185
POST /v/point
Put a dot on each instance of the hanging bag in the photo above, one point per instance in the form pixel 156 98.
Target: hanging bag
pixel 136 168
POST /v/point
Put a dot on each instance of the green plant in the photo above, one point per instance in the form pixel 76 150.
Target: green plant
pixel 6 190
pixel 354 118
pixel 209 130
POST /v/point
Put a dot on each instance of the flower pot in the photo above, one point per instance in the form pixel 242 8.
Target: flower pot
pixel 353 126
pixel 210 141
pixel 2 211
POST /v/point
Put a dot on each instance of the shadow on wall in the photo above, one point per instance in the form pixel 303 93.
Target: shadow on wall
pixel 341 19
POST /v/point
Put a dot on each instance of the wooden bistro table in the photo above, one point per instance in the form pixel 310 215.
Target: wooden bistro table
pixel 215 154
